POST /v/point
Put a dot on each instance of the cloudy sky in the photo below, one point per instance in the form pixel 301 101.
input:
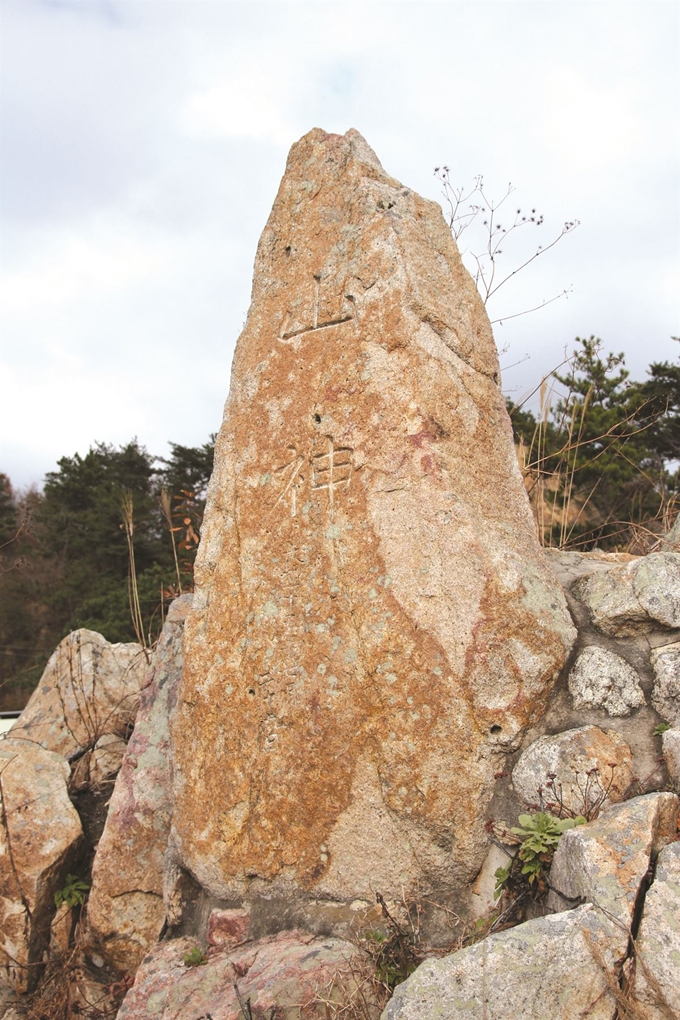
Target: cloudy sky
pixel 143 142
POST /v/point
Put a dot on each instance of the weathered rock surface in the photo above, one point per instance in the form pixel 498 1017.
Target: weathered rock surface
pixel 635 597
pixel 373 618
pixel 605 862
pixel 671 541
pixel 670 742
pixel 292 971
pixel 666 693
pixel 100 764
pixel 228 928
pixel 554 966
pixel 557 767
pixel 542 968
pixel 125 909
pixel 658 943
pixel 602 679
pixel 40 834
pixel 89 688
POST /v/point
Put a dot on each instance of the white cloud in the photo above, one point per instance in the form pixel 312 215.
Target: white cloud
pixel 250 102
pixel 94 264
pixel 144 142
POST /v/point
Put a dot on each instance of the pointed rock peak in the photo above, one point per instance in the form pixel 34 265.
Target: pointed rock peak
pixel 318 143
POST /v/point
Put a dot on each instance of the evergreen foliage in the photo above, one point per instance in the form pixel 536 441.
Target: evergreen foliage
pixel 69 565
pixel 599 456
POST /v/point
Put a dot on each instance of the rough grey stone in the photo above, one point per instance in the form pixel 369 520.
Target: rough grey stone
pixel 543 968
pixel 656 582
pixel 568 757
pixel 658 941
pixel 635 597
pixel 670 742
pixel 89 688
pixel 666 693
pixel 611 602
pixel 602 679
pixel 606 861
pixel 671 541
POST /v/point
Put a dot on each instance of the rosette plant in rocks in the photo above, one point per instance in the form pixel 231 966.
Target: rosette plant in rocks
pixel 540 834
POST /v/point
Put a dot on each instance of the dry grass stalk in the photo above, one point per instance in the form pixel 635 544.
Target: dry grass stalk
pixel 166 507
pixel 66 989
pixel 133 589
pixel 620 983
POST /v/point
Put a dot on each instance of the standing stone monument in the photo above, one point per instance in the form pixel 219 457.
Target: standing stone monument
pixel 373 624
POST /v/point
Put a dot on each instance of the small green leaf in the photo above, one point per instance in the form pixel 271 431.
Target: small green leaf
pixel 195 957
pixel 73 894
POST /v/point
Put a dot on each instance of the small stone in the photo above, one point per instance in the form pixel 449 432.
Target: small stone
pixel 656 582
pixel 611 602
pixel 560 767
pixel 666 693
pixel 657 976
pixel 227 928
pixel 601 679
pixel 670 743
pixel 671 541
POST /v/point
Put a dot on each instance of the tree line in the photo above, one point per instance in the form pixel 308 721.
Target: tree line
pixel 65 551
pixel 599 458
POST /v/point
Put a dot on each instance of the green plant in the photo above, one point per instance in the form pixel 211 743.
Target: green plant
pixel 74 892
pixel 540 833
pixel 661 728
pixel 394 948
pixel 599 458
pixel 195 957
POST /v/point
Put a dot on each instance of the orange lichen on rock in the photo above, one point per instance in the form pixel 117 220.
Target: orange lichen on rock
pixel 373 622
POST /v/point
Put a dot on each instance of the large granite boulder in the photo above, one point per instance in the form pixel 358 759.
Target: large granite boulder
pixel 125 909
pixel 565 965
pixel 40 835
pixel 89 688
pixel 373 619
pixel 291 976
pixel 543 968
